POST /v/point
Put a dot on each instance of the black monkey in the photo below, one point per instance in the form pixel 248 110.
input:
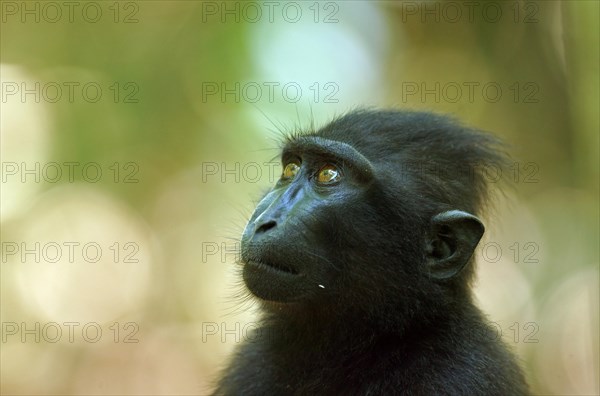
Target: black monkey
pixel 361 258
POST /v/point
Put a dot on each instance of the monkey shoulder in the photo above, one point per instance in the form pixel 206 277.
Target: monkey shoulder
pixel 463 368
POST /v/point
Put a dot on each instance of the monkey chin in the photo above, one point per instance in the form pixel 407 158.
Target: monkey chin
pixel 273 283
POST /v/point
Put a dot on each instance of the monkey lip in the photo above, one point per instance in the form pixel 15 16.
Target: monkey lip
pixel 273 282
pixel 273 267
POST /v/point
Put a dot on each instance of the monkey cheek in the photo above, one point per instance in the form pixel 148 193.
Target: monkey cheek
pixel 273 284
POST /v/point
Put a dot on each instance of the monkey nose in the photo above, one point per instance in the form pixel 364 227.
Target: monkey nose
pixel 265 226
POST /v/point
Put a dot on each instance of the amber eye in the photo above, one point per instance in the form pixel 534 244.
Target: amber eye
pixel 290 170
pixel 328 174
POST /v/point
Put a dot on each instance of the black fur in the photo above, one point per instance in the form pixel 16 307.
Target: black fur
pixel 365 284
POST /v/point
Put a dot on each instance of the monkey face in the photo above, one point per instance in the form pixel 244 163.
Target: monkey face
pixel 349 217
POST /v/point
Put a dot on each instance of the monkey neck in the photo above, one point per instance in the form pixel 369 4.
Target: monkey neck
pixel 323 330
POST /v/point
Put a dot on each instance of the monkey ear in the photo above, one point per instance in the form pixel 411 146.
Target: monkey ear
pixel 451 242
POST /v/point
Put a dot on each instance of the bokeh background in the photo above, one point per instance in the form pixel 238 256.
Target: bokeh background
pixel 136 138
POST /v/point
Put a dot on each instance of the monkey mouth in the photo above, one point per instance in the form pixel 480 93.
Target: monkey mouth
pixel 273 267
pixel 272 281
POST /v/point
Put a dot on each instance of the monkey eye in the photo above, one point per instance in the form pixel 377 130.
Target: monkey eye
pixel 328 174
pixel 290 170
